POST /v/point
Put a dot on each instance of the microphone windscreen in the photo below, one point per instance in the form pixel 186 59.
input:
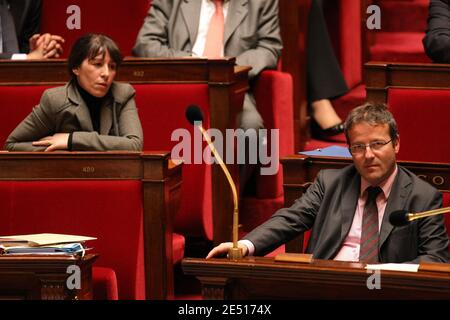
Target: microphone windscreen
pixel 194 113
pixel 399 218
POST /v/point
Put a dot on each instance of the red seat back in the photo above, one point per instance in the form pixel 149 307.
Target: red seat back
pixel 119 19
pixel 162 111
pixel 423 122
pixel 274 98
pixel 109 210
pixel 16 102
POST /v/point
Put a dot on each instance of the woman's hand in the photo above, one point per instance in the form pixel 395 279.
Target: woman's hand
pixel 58 141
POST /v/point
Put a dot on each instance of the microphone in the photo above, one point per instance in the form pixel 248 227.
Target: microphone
pixel 195 116
pixel 401 217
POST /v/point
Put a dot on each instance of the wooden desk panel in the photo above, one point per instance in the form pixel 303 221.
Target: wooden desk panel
pixel 380 76
pixel 44 277
pixel 264 278
pixel 161 188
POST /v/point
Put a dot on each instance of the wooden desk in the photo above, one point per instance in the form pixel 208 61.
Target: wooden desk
pixel 161 190
pixel 227 84
pixel 264 278
pixel 44 277
pixel 380 76
pixel 299 172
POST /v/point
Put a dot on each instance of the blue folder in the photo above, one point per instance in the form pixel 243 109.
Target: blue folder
pixel 332 151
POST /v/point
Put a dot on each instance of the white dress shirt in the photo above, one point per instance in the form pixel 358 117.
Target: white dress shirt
pixel 206 12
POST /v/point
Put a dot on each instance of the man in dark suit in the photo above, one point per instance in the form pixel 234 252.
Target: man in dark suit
pixel 19 32
pixel 437 39
pixel 348 209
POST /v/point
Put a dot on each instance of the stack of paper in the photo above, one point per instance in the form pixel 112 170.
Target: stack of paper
pixel 43 244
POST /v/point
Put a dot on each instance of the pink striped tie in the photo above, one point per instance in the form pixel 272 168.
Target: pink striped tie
pixel 368 251
pixel 214 37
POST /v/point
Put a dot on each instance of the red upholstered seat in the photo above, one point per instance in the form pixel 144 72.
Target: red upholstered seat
pixel 423 120
pixel 119 19
pixel 16 103
pixel 274 99
pixel 162 111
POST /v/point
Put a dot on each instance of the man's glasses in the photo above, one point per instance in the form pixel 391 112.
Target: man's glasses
pixel 361 148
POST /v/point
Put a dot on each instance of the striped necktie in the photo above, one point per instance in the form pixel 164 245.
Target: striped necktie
pixel 214 36
pixel 8 36
pixel 369 230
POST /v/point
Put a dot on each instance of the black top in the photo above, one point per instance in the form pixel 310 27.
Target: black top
pixel 94 105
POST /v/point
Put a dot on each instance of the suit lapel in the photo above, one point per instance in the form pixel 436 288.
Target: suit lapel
pixel 397 199
pixel 81 110
pixel 348 207
pixel 18 11
pixel 106 118
pixel 190 9
pixel 237 11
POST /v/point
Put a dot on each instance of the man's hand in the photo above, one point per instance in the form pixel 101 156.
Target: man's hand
pixel 58 141
pixel 222 249
pixel 45 46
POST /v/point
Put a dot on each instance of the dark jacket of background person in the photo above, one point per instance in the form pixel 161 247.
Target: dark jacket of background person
pixel 437 39
pixel 27 20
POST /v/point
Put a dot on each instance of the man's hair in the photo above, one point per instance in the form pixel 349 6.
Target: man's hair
pixel 89 46
pixel 373 114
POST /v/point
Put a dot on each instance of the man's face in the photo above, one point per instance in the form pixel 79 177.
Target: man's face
pixel 373 165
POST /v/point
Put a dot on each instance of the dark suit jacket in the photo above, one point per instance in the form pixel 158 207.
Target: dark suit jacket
pixel 328 208
pixel 62 110
pixel 27 20
pixel 437 39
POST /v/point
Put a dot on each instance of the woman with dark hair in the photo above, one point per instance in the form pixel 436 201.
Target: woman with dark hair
pixel 90 113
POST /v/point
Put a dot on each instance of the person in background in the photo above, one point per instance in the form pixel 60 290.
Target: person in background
pixel 437 38
pixel 246 29
pixel 91 112
pixel 324 77
pixel 348 209
pixel 20 37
